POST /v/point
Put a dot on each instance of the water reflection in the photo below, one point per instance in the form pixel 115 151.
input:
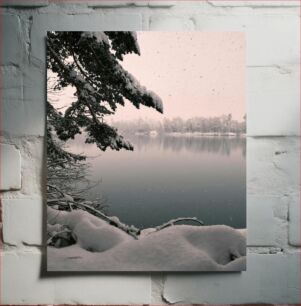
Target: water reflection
pixel 213 144
pixel 167 176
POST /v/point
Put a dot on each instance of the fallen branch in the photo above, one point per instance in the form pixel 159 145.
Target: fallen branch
pixel 172 222
pixel 132 231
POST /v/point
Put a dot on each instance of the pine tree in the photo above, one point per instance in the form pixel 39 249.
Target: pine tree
pixel 91 63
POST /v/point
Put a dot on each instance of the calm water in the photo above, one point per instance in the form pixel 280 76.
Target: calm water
pixel 173 176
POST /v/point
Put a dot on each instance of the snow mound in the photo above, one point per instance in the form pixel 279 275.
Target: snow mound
pixel 103 247
pixel 90 232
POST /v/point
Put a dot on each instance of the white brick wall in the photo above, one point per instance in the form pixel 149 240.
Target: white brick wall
pixel 273 182
pixel 25 284
pixel 269 279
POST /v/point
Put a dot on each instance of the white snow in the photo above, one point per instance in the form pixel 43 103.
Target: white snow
pixel 134 87
pixel 90 232
pixel 55 228
pixel 101 37
pixel 103 247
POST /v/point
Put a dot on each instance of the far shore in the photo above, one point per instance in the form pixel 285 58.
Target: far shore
pixel 192 134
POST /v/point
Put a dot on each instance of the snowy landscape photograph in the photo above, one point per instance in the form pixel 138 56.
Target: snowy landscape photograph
pixel 146 151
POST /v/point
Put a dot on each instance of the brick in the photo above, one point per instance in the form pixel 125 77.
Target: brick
pixel 88 22
pixel 287 161
pixel 13 46
pixel 157 281
pixel 33 167
pixel 268 279
pixel 273 101
pixel 294 221
pixel 34 102
pixel 116 4
pixel 111 4
pixel 22 283
pixel 268 35
pixel 23 100
pixel 24 3
pixel 22 221
pixel 12 99
pixel 166 23
pixel 66 7
pixel 250 3
pixel 140 3
pixel 161 3
pixel 267 172
pixel 11 86
pixel 10 167
pixel 260 219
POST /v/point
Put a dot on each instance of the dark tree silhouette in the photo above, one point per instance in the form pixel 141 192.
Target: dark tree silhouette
pixel 91 63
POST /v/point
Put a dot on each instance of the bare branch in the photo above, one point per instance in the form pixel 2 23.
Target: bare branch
pixel 172 222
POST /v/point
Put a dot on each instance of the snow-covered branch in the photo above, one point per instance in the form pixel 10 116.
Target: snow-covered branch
pixel 177 220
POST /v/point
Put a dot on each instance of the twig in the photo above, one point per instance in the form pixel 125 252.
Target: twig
pixel 172 222
pixel 66 230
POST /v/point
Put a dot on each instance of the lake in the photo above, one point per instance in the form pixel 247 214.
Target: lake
pixel 170 176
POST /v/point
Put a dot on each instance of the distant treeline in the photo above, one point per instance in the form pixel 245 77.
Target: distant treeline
pixel 222 124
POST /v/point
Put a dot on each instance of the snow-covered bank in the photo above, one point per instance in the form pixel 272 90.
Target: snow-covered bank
pixel 103 247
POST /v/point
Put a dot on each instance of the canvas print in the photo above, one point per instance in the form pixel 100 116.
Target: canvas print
pixel 146 151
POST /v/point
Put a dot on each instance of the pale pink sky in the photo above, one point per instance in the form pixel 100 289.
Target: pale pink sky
pixel 194 73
